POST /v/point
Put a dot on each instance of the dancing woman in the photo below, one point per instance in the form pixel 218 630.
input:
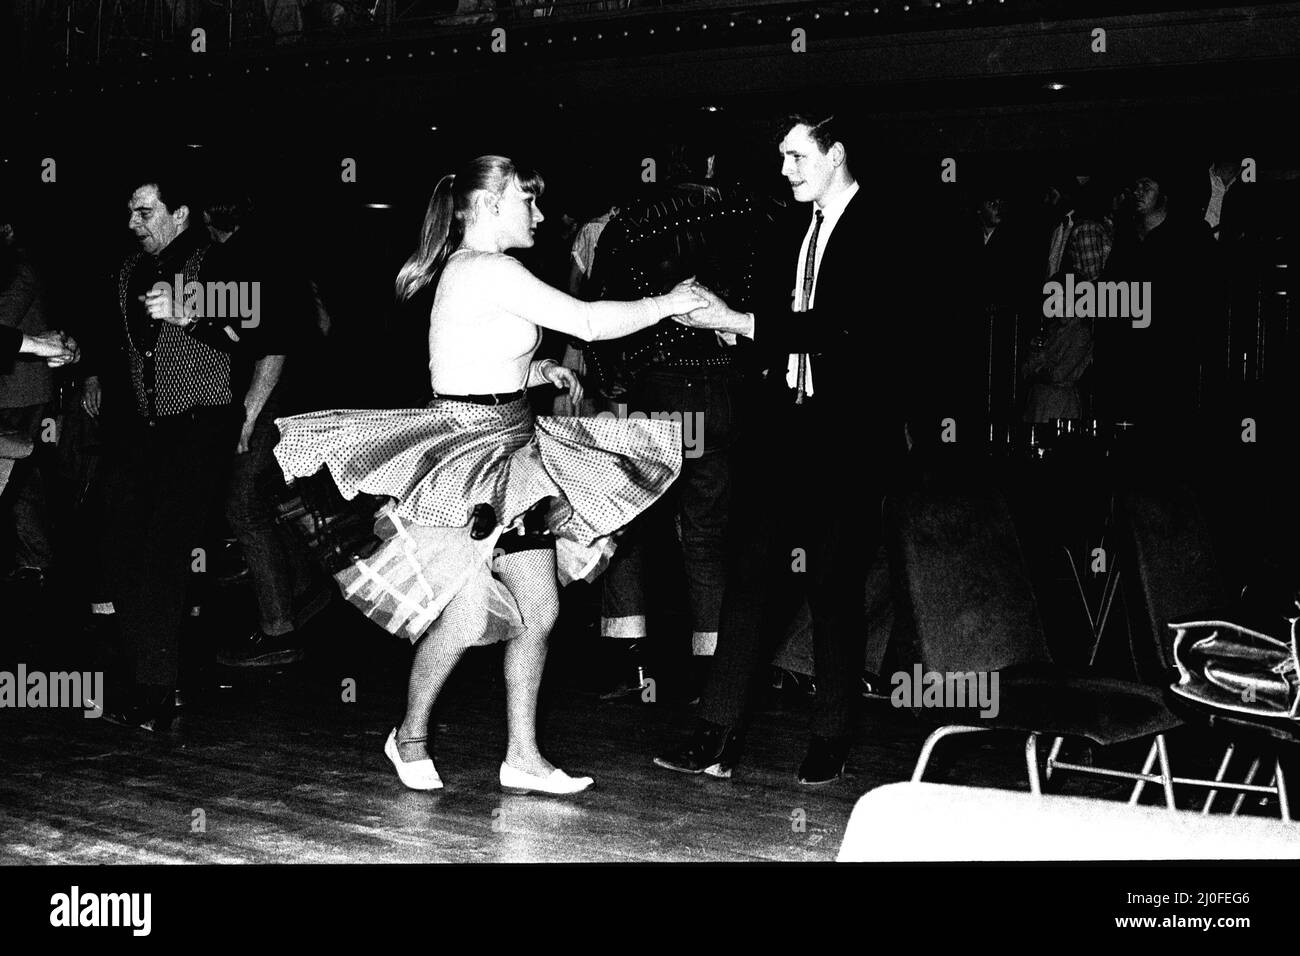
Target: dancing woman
pixel 490 505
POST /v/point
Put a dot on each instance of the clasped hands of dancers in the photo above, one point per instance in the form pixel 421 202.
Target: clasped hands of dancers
pixel 485 447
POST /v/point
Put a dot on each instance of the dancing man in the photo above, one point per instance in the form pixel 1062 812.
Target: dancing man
pixel 834 431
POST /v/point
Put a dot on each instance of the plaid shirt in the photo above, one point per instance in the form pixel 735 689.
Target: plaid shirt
pixel 1089 248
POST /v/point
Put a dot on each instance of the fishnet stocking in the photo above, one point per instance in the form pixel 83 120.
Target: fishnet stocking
pixel 530 576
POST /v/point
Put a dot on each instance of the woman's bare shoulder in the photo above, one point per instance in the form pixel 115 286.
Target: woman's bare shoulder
pixel 487 267
pixel 479 257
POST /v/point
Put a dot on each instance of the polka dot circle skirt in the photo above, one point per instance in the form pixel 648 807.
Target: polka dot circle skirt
pixel 437 463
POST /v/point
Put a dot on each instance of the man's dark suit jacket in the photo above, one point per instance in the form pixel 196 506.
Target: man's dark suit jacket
pixel 23 307
pixel 1150 375
pixel 863 367
pixel 11 340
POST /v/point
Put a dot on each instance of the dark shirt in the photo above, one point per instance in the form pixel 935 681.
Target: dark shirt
pixel 11 340
pixel 1005 269
pixel 1149 374
pixel 23 307
pixel 284 322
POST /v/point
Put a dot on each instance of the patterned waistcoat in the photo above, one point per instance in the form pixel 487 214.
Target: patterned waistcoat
pixel 179 372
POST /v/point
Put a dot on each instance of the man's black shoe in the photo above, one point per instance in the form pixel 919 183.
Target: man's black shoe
pixel 148 708
pixel 632 682
pixel 873 686
pixel 231 568
pixel 794 683
pixel 712 749
pixel 138 719
pixel 263 650
pixel 27 577
pixel 825 760
pixel 631 672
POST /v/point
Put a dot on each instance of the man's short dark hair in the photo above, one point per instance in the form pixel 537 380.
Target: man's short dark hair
pixel 228 207
pixel 175 189
pixel 1175 174
pixel 983 182
pixel 827 129
pixel 687 161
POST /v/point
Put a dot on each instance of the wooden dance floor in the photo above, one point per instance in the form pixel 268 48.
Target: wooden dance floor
pixel 278 768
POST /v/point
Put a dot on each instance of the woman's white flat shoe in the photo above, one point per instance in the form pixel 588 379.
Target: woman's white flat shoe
pixel 418 774
pixel 558 782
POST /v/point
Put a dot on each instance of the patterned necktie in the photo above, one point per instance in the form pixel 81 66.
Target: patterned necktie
pixel 809 265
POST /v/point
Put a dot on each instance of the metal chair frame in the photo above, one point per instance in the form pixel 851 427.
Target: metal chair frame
pixel 1158 750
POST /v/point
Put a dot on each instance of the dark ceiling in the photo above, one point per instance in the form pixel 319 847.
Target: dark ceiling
pixel 931 75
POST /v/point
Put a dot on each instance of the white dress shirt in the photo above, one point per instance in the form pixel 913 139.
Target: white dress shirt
pixel 1214 210
pixel 831 213
pixel 1056 248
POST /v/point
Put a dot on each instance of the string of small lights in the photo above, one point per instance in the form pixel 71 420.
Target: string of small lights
pixel 418 44
pixel 454 48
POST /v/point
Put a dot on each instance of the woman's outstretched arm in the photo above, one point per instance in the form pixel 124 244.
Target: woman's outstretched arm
pixel 519 292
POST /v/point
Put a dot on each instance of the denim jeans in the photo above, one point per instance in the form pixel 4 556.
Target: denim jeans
pixel 280 571
pixel 699 501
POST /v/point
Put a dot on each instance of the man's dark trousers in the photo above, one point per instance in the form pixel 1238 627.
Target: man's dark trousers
pixel 163 482
pixel 808 528
pixel 25 491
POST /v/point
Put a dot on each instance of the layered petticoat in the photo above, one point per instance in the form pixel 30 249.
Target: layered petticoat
pixel 437 463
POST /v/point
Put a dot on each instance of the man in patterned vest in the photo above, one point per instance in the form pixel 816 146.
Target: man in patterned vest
pixel 176 426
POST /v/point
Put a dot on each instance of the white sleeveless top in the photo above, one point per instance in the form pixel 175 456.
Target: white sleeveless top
pixel 487 318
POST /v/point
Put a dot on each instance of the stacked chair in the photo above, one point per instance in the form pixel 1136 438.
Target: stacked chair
pixel 965 594
pixel 1231 669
